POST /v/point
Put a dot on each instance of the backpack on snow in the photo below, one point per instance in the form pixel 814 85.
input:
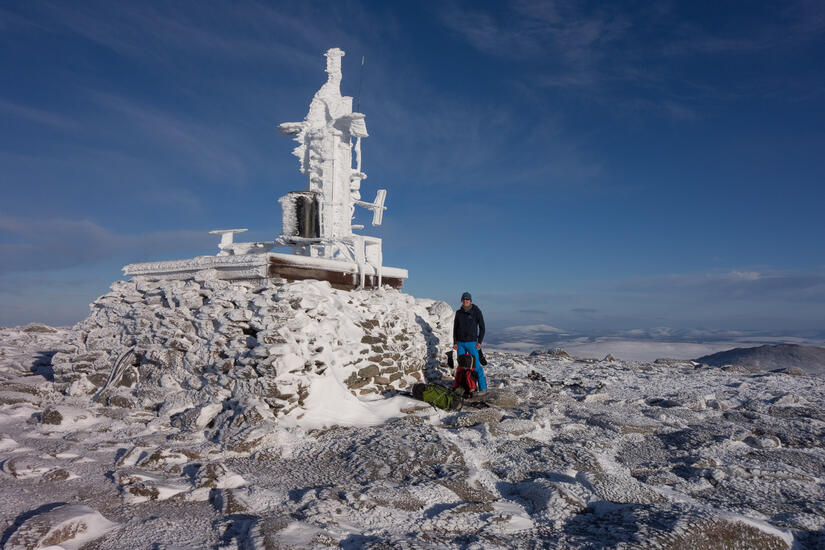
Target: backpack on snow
pixel 481 359
pixel 466 378
pixel 437 396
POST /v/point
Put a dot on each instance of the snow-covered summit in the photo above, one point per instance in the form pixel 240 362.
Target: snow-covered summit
pixel 562 453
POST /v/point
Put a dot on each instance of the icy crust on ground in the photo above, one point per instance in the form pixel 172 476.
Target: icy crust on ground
pixel 234 357
pixel 561 453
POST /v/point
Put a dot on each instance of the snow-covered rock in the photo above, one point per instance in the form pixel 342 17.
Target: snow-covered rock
pixel 67 527
pixel 236 355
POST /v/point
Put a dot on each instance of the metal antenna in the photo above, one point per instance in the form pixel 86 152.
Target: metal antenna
pixel 360 81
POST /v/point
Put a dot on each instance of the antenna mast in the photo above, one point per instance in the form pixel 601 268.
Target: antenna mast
pixel 360 81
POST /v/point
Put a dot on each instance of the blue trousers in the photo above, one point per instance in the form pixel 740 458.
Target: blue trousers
pixel 470 347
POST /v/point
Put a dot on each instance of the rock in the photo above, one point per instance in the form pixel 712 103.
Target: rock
pixel 547 498
pixel 217 476
pixel 663 402
pixel 58 474
pixel 231 501
pixel 369 372
pixel 23 467
pixel 512 426
pixel 619 488
pixel 237 315
pixel 785 399
pixel 137 487
pixel 467 419
pixel 170 460
pixel 554 352
pixel 51 416
pixel 503 399
pixel 767 442
pixel 734 368
pixel 12 398
pixel 793 371
pixel 120 401
pixel 66 526
pixel 196 418
pixel 37 327
pixel 713 534
pixel 670 362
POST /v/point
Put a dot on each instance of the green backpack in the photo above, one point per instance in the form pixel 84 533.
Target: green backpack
pixel 438 396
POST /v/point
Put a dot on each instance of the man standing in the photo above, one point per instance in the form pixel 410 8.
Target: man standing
pixel 468 332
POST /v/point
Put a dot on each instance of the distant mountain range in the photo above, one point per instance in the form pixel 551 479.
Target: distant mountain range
pixel 811 359
pixel 545 335
pixel 647 344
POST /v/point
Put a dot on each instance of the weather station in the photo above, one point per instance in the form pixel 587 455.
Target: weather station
pixel 317 223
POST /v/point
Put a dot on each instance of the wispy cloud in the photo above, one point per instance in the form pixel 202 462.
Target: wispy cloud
pixel 34 244
pixel 215 152
pixel 533 311
pixel 634 58
pixel 38 116
pixel 160 33
pixel 790 25
pixel 696 306
pixel 11 21
pixel 441 131
pixel 538 29
pixel 572 47
pixel 460 141
pixel 736 284
pixel 536 329
pixel 120 144
pixel 156 33
pixel 193 50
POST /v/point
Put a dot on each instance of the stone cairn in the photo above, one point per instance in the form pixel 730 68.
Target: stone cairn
pixel 204 352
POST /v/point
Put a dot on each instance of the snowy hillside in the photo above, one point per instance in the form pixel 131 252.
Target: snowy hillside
pixel 561 453
pixel 810 359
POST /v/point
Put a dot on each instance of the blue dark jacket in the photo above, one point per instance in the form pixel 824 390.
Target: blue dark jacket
pixel 468 325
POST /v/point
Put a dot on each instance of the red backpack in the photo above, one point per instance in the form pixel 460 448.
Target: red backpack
pixel 465 375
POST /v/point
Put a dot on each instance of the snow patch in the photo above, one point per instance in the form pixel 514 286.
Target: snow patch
pixel 331 404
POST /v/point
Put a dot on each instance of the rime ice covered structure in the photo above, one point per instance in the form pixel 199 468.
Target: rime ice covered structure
pixel 229 343
pixel 317 222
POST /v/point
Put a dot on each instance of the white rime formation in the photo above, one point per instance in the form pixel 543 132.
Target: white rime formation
pixel 325 139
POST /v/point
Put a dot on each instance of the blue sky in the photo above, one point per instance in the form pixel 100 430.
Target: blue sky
pixel 590 167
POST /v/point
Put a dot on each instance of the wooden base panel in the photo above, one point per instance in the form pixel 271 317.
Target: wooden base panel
pixel 341 280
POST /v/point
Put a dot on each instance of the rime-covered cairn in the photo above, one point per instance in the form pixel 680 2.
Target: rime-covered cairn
pixel 233 341
pixel 194 350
